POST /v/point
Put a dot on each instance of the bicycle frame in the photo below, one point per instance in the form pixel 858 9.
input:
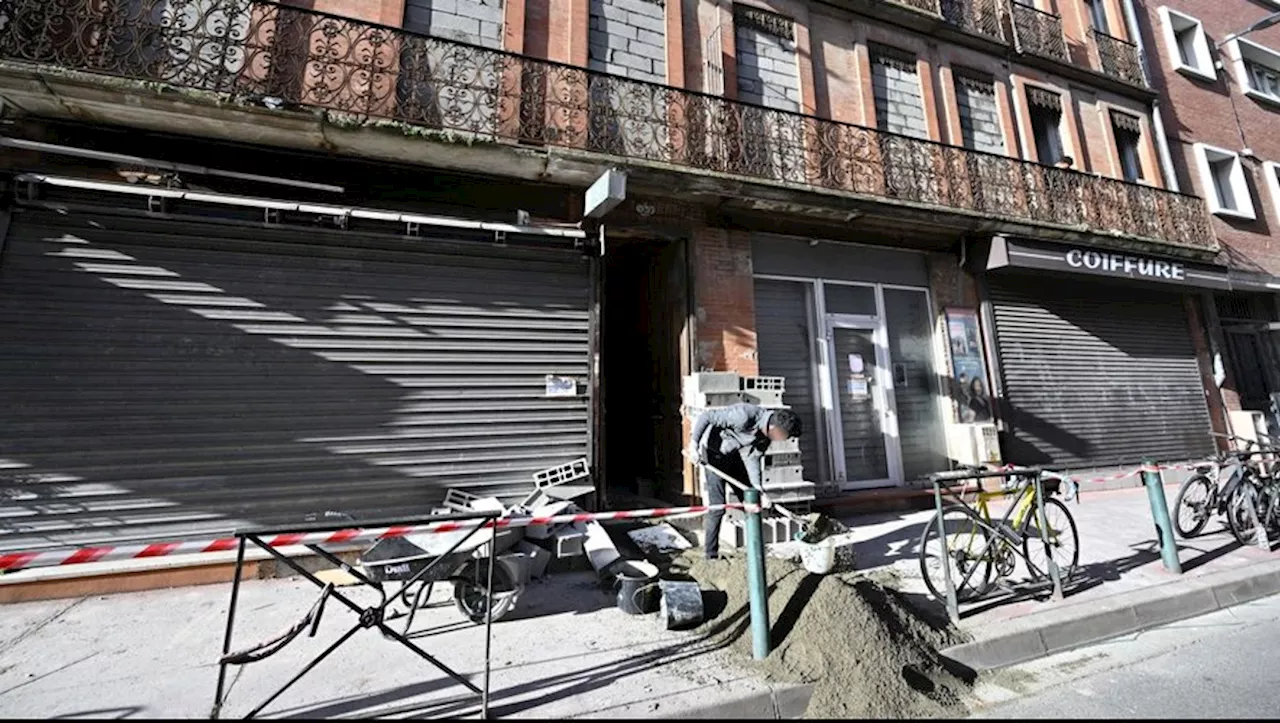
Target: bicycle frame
pixel 1032 493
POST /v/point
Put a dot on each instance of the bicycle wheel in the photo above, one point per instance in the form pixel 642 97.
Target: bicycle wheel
pixel 1242 514
pixel 1194 506
pixel 970 555
pixel 1064 541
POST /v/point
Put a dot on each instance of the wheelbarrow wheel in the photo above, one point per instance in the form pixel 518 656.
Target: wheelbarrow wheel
pixel 469 585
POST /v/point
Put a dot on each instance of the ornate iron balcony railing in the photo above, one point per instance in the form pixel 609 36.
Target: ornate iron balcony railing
pixel 1038 32
pixel 976 16
pixel 301 58
pixel 1118 58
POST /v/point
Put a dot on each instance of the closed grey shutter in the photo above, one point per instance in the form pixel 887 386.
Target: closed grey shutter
pixel 784 339
pixel 1096 374
pixel 167 378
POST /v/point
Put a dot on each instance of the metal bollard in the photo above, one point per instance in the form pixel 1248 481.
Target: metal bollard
pixel 1160 511
pixel 953 605
pixel 756 582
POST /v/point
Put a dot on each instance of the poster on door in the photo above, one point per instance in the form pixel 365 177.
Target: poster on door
pixel 858 386
pixel 968 368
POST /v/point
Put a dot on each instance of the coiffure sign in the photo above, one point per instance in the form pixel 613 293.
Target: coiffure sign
pixel 1006 253
pixel 1122 264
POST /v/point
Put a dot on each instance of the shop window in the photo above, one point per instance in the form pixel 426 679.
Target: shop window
pixel 1222 177
pixel 1127 130
pixel 979 116
pixel 1045 110
pixel 1187 44
pixel 1258 69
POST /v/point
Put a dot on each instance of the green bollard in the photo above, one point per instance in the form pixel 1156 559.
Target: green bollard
pixel 1160 511
pixel 756 583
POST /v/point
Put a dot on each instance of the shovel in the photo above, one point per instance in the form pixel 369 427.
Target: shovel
pixel 813 528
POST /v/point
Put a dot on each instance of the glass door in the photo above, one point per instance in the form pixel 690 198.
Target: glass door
pixel 884 419
pixel 862 410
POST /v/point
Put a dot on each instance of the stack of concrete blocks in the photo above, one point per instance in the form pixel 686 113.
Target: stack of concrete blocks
pixel 783 472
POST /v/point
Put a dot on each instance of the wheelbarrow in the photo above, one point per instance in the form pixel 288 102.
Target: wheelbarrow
pixel 465 565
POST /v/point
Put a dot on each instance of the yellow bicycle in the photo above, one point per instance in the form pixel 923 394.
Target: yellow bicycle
pixel 978 546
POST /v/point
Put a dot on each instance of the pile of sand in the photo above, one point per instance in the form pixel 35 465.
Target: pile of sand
pixel 867 651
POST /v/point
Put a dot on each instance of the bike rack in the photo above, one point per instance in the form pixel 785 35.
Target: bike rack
pixel 370 617
pixel 1035 473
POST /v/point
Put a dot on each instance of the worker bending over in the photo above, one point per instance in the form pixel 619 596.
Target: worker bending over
pixel 733 440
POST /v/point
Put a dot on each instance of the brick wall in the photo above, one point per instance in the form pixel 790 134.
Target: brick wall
pixel 1199 110
pixel 724 301
pixel 628 38
pixel 471 21
pixel 767 70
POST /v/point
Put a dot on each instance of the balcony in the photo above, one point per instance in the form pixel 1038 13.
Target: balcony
pixel 981 17
pixel 1118 58
pixel 1038 32
pixel 289 57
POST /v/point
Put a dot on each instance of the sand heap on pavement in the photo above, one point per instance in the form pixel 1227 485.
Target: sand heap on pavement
pixel 867 651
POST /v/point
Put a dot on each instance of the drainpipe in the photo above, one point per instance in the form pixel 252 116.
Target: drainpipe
pixel 1157 121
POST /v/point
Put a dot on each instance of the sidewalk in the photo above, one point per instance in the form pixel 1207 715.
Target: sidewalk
pixel 565 651
pixel 1120 584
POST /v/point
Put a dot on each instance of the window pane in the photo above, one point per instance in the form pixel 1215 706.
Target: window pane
pixel 915 385
pixel 1127 145
pixel 1222 183
pixel 842 299
pixel 1045 124
pixel 1187 46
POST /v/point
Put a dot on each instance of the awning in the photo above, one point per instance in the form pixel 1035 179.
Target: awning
pixel 1002 253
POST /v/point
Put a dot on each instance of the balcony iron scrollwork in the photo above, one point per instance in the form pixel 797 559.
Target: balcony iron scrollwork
pixel 1118 58
pixel 1037 32
pixel 975 16
pixel 293 57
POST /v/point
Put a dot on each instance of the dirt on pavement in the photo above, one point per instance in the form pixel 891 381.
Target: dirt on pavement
pixel 867 651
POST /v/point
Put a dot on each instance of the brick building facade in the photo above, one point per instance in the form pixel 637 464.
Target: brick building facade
pixel 935 217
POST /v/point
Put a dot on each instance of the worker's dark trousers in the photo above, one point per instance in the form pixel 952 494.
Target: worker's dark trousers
pixel 713 493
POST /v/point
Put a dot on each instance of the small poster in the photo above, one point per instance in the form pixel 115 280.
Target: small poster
pixel 855 364
pixel 561 386
pixel 858 388
pixel 968 367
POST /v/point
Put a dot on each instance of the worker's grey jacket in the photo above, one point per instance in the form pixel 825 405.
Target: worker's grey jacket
pixel 740 428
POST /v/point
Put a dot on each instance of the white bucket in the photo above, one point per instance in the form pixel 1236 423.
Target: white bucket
pixel 819 557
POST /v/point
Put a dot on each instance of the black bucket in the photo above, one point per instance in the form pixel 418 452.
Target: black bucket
pixel 637 584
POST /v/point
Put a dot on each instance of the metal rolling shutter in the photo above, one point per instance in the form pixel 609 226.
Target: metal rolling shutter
pixel 166 377
pixel 1097 374
pixel 783 337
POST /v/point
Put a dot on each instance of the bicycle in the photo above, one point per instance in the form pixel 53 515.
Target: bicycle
pixel 1255 504
pixel 976 545
pixel 1203 494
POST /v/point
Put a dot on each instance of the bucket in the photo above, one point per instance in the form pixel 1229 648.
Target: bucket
pixel 819 557
pixel 637 584
pixel 681 606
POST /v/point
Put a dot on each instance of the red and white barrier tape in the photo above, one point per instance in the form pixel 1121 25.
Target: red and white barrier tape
pixel 75 556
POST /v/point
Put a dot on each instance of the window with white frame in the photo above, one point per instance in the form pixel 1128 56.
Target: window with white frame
pixel 1272 171
pixel 1222 177
pixel 1258 69
pixel 1187 44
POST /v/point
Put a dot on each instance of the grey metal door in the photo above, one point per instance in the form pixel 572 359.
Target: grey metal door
pixel 175 377
pixel 1096 374
pixel 863 409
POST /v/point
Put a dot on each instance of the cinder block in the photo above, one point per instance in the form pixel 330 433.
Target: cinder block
pixel 537 556
pixel 712 382
pixel 570 543
pixel 658 40
pixel 781 475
